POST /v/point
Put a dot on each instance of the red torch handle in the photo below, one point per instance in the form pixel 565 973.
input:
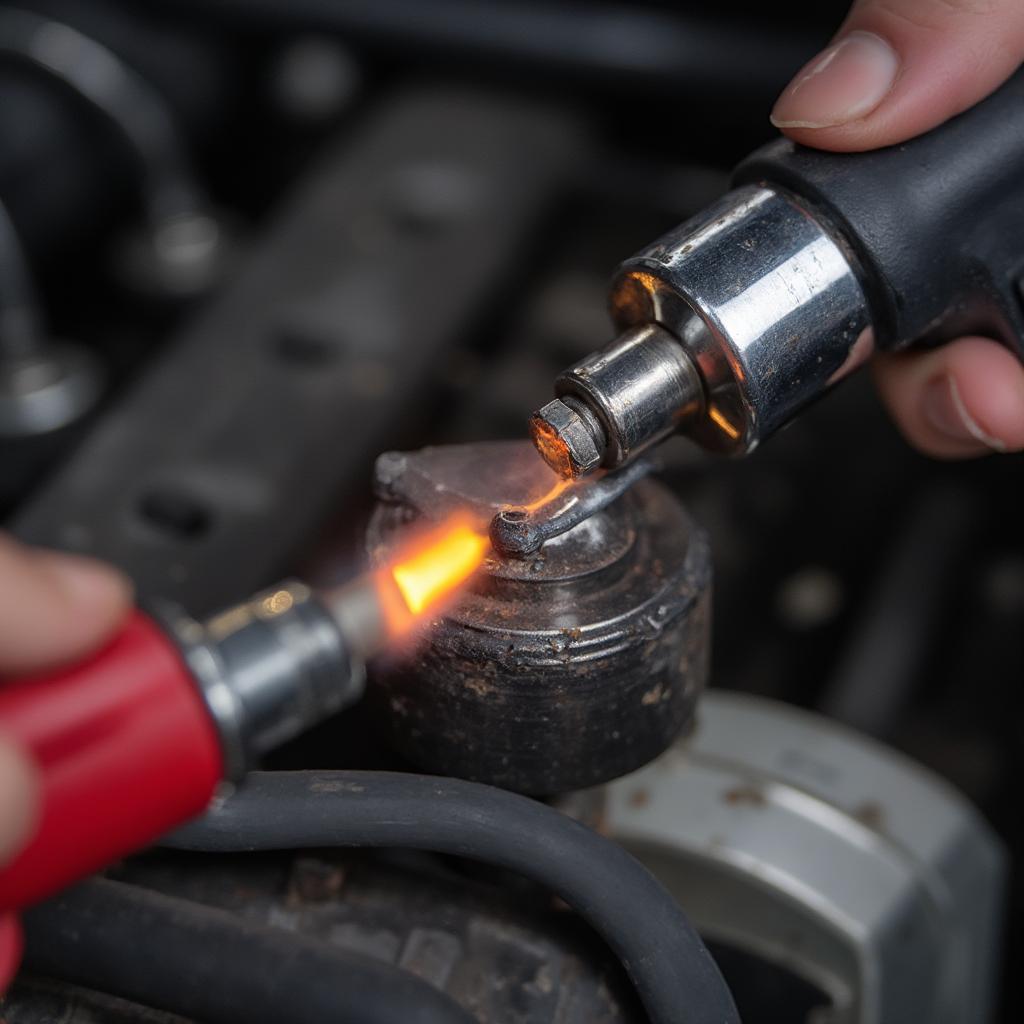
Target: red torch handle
pixel 126 750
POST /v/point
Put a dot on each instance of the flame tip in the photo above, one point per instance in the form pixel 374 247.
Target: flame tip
pixel 436 569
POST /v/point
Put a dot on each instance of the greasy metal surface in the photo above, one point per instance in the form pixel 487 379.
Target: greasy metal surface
pixel 41 1001
pixel 207 476
pixel 497 946
pixel 813 847
pixel 555 672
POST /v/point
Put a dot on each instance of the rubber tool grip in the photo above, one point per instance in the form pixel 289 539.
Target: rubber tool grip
pixel 125 749
pixel 936 224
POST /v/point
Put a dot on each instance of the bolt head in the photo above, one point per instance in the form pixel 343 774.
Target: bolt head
pixel 564 440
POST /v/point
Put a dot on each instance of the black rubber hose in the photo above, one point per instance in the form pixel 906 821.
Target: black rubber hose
pixel 674 974
pixel 212 966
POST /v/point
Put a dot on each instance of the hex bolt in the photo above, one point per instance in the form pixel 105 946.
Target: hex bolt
pixel 569 439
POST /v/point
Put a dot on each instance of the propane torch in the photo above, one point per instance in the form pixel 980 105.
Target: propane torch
pixel 136 739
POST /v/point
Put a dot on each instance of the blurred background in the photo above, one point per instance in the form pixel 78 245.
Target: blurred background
pixel 246 246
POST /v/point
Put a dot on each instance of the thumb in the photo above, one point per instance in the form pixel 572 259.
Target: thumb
pixel 899 67
pixel 54 607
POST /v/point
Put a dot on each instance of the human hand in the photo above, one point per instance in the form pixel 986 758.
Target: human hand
pixel 895 69
pixel 53 608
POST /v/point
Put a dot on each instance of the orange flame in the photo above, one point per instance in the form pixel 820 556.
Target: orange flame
pixel 423 579
pixel 563 483
pixel 432 574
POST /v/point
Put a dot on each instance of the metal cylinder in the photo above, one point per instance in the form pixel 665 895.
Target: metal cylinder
pixel 268 669
pixel 640 387
pixel 766 302
pixel 555 672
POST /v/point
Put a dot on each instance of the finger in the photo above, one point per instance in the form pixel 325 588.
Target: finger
pixel 54 607
pixel 955 402
pixel 899 67
pixel 18 798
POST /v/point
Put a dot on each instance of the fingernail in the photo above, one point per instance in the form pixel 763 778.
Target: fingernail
pixel 944 409
pixel 843 83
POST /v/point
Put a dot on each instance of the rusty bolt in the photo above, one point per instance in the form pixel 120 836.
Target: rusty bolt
pixel 565 439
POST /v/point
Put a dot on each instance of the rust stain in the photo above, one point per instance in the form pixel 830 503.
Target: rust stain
pixel 481 687
pixel 744 796
pixel 655 695
pixel 872 814
pixel 639 798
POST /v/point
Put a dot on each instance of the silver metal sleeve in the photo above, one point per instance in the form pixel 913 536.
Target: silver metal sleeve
pixel 766 302
pixel 269 669
pixel 641 388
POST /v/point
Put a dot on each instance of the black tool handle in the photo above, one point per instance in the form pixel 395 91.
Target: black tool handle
pixel 936 224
